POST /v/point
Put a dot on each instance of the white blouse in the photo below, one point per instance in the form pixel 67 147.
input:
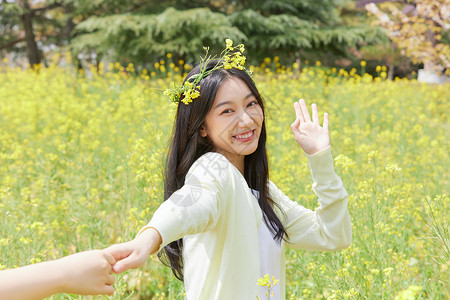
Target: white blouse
pixel 219 220
pixel 269 257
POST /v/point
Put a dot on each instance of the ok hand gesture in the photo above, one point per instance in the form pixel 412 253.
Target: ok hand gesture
pixel 309 135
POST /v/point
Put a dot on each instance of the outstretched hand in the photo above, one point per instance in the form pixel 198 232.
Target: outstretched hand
pixel 133 254
pixel 308 133
pixel 87 273
pixel 83 273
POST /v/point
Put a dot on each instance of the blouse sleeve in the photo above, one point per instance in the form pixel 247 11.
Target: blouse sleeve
pixel 329 226
pixel 197 206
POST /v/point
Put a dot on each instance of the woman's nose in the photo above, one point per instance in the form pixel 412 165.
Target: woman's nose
pixel 245 119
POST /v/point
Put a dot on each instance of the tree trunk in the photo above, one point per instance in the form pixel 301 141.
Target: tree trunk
pixel 429 65
pixel 30 39
pixel 70 25
pixel 390 74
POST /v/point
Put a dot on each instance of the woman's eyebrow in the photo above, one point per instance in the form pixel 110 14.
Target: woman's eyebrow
pixel 222 103
pixel 230 102
pixel 248 96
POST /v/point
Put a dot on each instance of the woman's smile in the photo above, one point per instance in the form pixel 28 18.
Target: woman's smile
pixel 245 137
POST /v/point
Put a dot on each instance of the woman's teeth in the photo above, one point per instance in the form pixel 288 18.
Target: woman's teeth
pixel 244 136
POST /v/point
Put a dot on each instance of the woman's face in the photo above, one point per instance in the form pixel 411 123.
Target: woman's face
pixel 235 120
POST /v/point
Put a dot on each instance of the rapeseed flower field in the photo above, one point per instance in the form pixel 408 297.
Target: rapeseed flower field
pixel 81 164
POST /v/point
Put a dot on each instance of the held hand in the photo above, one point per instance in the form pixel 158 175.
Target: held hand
pixel 87 273
pixel 309 135
pixel 133 254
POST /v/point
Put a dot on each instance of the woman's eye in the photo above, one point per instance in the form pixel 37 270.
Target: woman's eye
pixel 253 103
pixel 226 111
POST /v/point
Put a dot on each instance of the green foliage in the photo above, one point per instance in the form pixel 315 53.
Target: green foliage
pixel 287 28
pixel 319 11
pixel 140 31
pixel 139 38
pixel 290 35
pixel 9 13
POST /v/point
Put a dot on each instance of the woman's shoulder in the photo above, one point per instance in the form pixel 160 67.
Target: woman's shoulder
pixel 211 165
pixel 211 161
pixel 272 188
pixel 209 158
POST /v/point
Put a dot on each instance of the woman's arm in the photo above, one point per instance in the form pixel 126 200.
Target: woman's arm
pixel 84 273
pixel 329 227
pixel 194 208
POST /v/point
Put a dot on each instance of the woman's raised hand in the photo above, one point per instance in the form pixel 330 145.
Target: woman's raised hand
pixel 308 133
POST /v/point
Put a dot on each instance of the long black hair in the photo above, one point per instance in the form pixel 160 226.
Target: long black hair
pixel 187 145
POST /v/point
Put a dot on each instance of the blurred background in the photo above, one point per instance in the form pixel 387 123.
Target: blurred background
pixel 404 36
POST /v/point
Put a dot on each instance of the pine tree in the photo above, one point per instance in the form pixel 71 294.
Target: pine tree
pixel 288 28
pixel 141 38
pixel 141 31
pixel 295 28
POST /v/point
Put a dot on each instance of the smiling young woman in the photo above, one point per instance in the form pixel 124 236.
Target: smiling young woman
pixel 223 223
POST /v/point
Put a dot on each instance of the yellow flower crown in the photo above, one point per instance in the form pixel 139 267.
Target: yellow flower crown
pixel 231 57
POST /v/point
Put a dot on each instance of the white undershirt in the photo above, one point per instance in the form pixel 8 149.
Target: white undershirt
pixel 270 257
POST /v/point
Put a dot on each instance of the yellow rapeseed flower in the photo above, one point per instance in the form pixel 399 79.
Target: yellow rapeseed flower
pixel 88 155
pixel 229 44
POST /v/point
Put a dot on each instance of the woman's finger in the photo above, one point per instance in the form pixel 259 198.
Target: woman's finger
pixel 118 251
pixel 295 125
pixel 109 258
pixel 315 114
pixel 298 112
pixel 305 113
pixel 135 260
pixel 121 266
pixel 325 121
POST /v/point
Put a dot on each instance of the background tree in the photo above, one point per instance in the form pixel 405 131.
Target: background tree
pixel 140 38
pixel 304 28
pixel 34 27
pixel 142 31
pixel 418 28
pixel 288 28
pixel 24 24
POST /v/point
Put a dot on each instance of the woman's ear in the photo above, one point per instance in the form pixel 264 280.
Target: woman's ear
pixel 203 132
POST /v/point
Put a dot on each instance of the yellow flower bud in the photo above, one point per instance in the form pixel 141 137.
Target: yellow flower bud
pixel 229 44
